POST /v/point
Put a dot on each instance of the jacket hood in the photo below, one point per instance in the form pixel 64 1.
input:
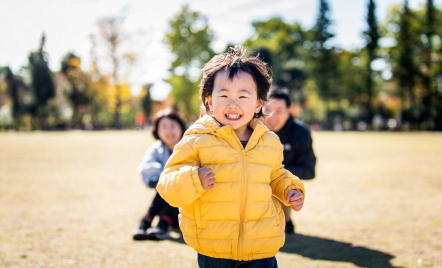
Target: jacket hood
pixel 209 125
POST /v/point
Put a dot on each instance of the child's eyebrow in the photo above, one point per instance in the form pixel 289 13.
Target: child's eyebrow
pixel 245 91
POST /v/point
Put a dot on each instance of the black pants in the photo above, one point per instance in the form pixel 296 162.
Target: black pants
pixel 160 207
pixel 209 262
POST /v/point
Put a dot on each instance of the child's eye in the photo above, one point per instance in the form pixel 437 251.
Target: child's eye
pixel 223 96
pixel 243 97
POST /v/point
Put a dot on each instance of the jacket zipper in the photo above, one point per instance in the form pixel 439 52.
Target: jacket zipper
pixel 243 197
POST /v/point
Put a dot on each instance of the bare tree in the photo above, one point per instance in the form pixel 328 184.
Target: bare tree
pixel 114 37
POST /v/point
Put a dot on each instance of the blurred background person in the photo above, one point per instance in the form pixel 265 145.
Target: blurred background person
pixel 168 128
pixel 299 157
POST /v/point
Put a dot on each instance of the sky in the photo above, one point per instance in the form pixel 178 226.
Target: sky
pixel 68 25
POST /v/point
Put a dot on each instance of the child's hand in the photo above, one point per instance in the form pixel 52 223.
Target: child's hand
pixel 295 199
pixel 207 178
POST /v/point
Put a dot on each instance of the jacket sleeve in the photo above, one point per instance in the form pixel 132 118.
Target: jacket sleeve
pixel 282 181
pixel 179 183
pixel 306 169
pixel 150 167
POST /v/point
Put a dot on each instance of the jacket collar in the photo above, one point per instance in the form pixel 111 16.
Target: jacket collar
pixel 209 125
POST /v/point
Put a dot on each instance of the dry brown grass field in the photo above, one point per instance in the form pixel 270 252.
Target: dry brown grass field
pixel 71 199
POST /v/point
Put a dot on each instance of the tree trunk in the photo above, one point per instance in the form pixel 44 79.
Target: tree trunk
pixel 369 104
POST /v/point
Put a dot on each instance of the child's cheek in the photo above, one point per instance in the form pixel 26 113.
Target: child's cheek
pixel 219 102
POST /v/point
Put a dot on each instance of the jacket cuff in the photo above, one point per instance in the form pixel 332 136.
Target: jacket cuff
pixel 196 181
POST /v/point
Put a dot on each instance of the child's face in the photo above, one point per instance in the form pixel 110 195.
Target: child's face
pixel 234 102
pixel 169 132
pixel 278 114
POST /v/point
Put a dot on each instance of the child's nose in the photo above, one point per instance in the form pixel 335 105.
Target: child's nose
pixel 232 104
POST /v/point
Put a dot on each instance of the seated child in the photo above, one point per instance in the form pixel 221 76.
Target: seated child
pixel 167 128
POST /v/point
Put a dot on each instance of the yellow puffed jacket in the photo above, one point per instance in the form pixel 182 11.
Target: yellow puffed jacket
pixel 239 218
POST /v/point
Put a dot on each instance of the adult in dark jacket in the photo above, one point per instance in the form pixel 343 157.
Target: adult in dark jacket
pixel 299 157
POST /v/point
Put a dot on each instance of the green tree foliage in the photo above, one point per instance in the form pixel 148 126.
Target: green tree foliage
pixel 281 45
pixel 415 63
pixel 189 39
pixel 185 96
pixel 325 65
pixel 353 90
pixel 332 84
pixel 41 81
pixel 437 71
pixel 407 71
pixel 431 67
pixel 323 23
pixel 429 99
pixel 15 87
pixel 372 37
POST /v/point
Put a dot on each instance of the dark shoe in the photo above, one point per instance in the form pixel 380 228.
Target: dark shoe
pixel 157 234
pixel 140 233
pixel 289 228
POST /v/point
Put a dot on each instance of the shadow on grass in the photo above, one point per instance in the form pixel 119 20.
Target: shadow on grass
pixel 317 248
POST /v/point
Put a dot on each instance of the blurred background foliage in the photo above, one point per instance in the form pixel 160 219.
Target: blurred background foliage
pixel 394 82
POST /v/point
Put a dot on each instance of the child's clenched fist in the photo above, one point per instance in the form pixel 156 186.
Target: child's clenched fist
pixel 207 178
pixel 295 199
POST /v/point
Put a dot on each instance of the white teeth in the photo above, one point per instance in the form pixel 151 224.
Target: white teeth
pixel 233 116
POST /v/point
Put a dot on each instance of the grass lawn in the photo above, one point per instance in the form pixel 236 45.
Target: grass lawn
pixel 71 199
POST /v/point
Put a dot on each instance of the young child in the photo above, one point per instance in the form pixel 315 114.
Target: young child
pixel 167 129
pixel 226 172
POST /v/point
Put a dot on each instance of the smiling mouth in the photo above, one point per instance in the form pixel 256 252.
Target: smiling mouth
pixel 233 116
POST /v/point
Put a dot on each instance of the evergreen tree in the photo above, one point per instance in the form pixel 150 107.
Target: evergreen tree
pixel 434 18
pixel 14 85
pixel 428 100
pixel 41 81
pixel 323 24
pixel 406 70
pixel 372 37
pixel 325 65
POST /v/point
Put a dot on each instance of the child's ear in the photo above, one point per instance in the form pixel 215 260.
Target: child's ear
pixel 209 103
pixel 259 104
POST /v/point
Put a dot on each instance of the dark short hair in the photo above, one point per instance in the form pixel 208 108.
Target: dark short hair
pixel 280 94
pixel 235 61
pixel 166 113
